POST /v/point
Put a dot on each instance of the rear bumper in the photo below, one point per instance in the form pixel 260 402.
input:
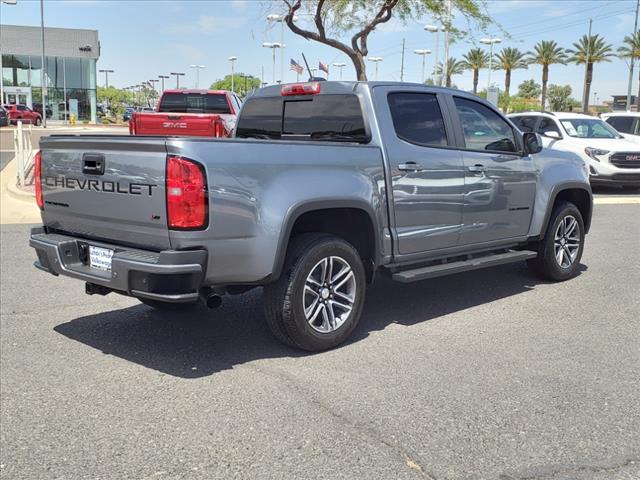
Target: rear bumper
pixel 169 276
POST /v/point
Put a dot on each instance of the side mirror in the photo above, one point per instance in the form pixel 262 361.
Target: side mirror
pixel 532 143
pixel 552 134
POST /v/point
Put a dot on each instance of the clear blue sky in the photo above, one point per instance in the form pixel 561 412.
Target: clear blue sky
pixel 143 39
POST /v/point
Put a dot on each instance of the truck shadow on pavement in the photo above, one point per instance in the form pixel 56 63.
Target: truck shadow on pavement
pixel 200 342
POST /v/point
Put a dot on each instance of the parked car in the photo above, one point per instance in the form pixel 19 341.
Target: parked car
pixel 4 117
pixel 23 113
pixel 324 185
pixel 627 123
pixel 200 113
pixel 37 107
pixel 128 112
pixel 612 159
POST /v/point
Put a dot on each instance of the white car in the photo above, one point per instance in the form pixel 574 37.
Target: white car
pixel 612 159
pixel 627 123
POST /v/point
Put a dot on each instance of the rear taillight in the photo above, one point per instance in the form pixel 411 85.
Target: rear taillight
pixel 218 129
pixel 186 194
pixel 37 177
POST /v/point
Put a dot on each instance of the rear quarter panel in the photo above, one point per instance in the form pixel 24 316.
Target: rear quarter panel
pixel 257 188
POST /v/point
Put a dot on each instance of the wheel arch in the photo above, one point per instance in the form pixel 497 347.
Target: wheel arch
pixel 576 193
pixel 358 213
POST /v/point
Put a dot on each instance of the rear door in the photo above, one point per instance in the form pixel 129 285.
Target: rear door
pixel 500 182
pixel 427 175
pixel 108 188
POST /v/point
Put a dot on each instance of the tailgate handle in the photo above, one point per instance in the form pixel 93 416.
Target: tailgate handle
pixel 93 163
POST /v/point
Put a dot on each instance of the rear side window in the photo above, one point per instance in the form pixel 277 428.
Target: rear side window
pixel 622 124
pixel 194 103
pixel 321 117
pixel 548 125
pixel 483 128
pixel 417 118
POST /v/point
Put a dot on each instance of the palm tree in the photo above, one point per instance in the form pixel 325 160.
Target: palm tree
pixel 631 50
pixel 510 59
pixel 588 51
pixel 545 53
pixel 475 59
pixel 453 67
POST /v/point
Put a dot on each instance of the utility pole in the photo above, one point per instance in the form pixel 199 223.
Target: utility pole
pixel 585 94
pixel 402 63
pixel 635 29
pixel 43 70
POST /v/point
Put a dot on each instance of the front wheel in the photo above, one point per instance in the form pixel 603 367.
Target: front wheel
pixel 317 302
pixel 560 251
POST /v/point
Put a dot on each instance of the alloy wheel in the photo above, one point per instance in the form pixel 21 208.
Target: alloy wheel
pixel 566 244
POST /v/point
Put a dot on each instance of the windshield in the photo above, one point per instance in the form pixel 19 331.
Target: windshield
pixel 588 128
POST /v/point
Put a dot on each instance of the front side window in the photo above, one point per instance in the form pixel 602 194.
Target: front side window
pixel 588 128
pixel 622 124
pixel 417 118
pixel 483 128
pixel 548 125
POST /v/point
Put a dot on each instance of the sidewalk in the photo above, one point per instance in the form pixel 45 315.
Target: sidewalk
pixel 16 206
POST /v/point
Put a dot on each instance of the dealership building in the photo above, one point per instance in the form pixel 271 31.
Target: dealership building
pixel 70 70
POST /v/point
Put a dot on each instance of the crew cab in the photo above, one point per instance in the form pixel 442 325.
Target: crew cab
pixel 612 159
pixel 22 113
pixel 324 186
pixel 192 113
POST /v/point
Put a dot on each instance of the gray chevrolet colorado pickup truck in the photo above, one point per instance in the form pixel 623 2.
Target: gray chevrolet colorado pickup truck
pixel 323 186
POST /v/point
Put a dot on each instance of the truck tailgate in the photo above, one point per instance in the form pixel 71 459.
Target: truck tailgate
pixel 176 124
pixel 106 187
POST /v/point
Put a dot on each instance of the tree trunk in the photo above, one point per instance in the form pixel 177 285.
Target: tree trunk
pixel 448 80
pixel 361 68
pixel 476 72
pixel 507 81
pixel 545 79
pixel 638 97
pixel 587 88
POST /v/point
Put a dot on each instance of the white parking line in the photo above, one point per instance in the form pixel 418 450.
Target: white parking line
pixel 635 199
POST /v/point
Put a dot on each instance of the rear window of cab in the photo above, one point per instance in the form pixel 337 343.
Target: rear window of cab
pixel 326 117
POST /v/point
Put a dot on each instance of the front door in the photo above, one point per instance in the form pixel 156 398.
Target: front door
pixel 500 183
pixel 427 176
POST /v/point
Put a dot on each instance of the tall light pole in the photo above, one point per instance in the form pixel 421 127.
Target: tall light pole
pixel 198 68
pixel 635 29
pixel 491 42
pixel 233 61
pixel 162 79
pixel 423 53
pixel 341 65
pixel 274 17
pixel 273 46
pixel 436 29
pixel 375 60
pixel 43 70
pixel 106 77
pixel 178 75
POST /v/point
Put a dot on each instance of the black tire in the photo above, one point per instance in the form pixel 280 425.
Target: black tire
pixel 283 299
pixel 38 122
pixel 167 306
pixel 545 265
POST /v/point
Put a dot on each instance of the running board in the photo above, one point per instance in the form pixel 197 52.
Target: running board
pixel 432 271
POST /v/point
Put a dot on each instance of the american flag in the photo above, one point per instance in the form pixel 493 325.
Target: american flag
pixel 296 67
pixel 323 67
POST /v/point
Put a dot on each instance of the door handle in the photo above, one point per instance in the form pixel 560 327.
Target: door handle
pixel 410 167
pixel 477 168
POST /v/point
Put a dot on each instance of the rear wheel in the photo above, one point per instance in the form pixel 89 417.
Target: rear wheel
pixel 38 121
pixel 560 251
pixel 167 306
pixel 317 302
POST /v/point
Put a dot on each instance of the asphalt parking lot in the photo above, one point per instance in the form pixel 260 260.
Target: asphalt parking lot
pixel 484 375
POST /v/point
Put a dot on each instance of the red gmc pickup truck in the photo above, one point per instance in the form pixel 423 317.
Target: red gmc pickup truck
pixel 189 113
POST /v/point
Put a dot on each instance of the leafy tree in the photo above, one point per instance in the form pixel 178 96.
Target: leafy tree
pixel 453 67
pixel 242 83
pixel 589 51
pixel 631 49
pixel 560 98
pixel 546 53
pixel 474 60
pixel 510 59
pixel 529 89
pixel 333 19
